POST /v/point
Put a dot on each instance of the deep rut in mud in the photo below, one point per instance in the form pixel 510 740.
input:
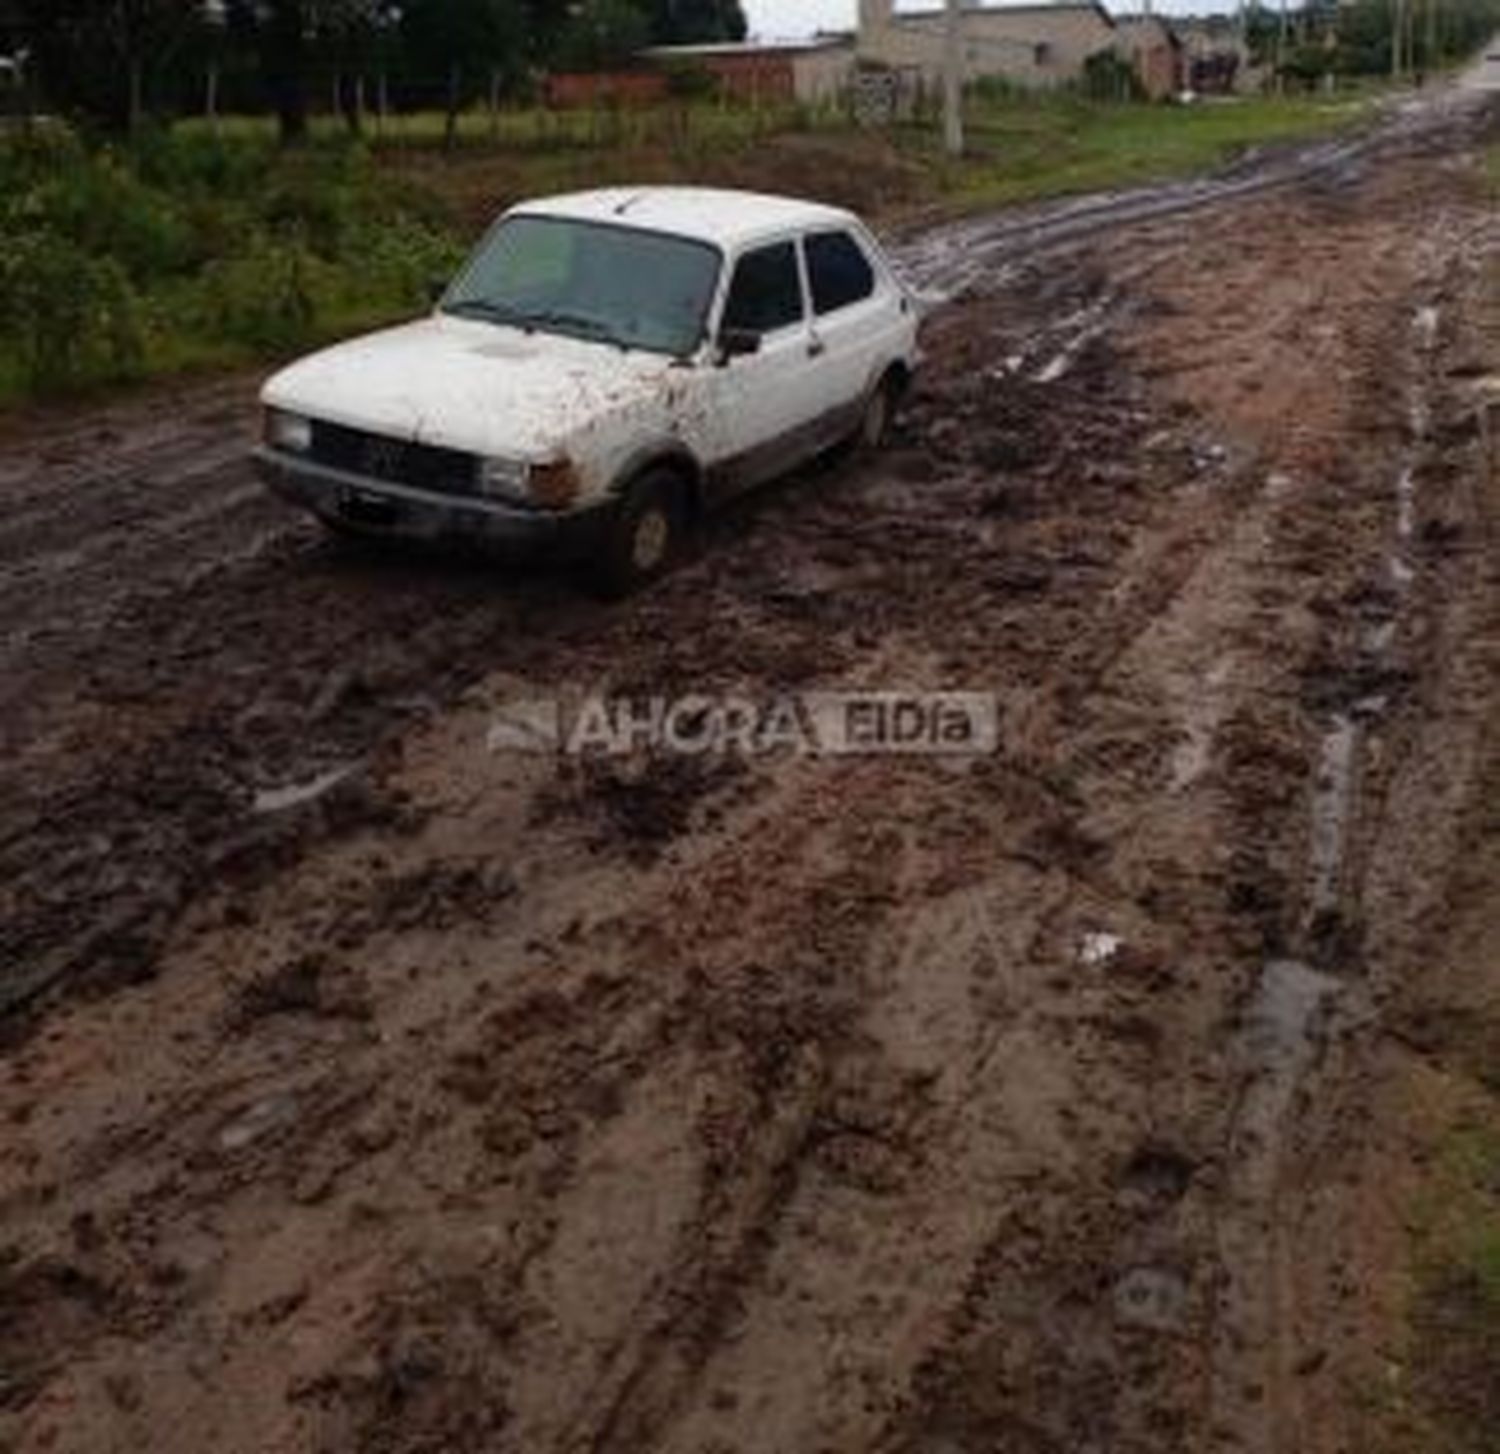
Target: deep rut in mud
pixel 375 1090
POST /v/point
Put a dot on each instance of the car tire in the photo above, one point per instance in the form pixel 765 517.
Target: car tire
pixel 879 416
pixel 644 536
pixel 340 530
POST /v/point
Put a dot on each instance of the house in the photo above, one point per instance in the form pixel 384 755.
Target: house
pixel 1154 51
pixel 1216 57
pixel 814 72
pixel 604 90
pixel 1029 44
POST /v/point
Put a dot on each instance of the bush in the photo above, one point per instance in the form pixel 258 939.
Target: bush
pixel 399 259
pixel 70 318
pixel 1108 77
pixel 263 298
pixel 191 249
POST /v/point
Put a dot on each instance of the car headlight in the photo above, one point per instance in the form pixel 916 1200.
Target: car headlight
pixel 506 479
pixel 291 432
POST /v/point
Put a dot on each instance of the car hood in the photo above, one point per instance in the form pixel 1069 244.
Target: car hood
pixel 467 385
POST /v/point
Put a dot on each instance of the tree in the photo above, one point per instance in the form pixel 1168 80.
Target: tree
pixel 92 57
pixel 280 28
pixel 604 35
pixel 696 22
pixel 464 42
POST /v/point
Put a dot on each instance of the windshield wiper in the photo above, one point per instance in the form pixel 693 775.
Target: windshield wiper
pixel 492 312
pixel 578 322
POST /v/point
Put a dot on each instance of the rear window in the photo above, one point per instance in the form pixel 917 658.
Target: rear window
pixel 767 290
pixel 838 270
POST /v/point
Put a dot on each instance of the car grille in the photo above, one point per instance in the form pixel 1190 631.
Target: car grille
pixel 422 466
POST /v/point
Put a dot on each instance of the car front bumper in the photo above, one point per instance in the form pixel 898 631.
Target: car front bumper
pixel 380 507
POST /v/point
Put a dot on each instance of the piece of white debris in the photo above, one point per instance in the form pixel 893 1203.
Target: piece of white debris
pixel 278 800
pixel 1099 948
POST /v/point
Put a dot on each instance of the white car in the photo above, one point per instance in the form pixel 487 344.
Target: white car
pixel 607 366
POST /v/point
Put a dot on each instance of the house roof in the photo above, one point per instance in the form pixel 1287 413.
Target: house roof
pixel 1148 22
pixel 708 214
pixel 751 47
pixel 1032 7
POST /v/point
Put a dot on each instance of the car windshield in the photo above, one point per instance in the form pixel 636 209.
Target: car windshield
pixel 615 285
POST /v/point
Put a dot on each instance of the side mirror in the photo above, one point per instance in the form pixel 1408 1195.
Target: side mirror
pixel 737 343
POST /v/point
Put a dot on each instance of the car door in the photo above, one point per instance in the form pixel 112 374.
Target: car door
pixel 856 319
pixel 766 403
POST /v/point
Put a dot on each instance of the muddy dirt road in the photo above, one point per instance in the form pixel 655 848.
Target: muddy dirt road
pixel 367 1089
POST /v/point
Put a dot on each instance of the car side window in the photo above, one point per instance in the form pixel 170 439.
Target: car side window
pixel 766 293
pixel 839 271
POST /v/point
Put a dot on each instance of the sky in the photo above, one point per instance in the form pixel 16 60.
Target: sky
pixel 770 18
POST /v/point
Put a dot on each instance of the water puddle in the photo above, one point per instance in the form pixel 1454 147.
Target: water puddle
pixel 1332 797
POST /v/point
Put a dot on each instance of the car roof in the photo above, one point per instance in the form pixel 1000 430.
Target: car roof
pixel 708 214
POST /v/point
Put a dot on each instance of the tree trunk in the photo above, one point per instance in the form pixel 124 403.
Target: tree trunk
pixel 211 101
pixel 136 104
pixel 450 126
pixel 282 47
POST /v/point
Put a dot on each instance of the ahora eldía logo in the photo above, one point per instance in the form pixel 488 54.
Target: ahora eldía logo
pixel 815 724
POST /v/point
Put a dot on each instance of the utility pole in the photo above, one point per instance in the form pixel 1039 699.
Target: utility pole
pixel 953 81
pixel 1281 40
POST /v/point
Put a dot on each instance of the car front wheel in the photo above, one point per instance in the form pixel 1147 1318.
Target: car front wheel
pixel 644 536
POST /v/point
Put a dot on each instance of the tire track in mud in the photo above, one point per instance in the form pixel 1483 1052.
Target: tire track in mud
pixel 1311 1017
pixel 169 543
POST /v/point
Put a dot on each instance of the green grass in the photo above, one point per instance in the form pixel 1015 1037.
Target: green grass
pixel 1455 1313
pixel 1062 146
pixel 1449 1395
pixel 536 128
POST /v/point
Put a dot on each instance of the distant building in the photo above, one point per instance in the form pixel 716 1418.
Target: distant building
pixel 1031 44
pixel 1155 53
pixel 814 72
pixel 1215 56
pixel 604 90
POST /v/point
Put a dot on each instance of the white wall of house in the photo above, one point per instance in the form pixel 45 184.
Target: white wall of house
pixel 1032 45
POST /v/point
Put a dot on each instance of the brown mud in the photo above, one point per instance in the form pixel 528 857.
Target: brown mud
pixel 365 1088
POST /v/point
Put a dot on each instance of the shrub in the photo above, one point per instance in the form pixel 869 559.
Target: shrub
pixel 399 259
pixel 263 298
pixel 1108 77
pixel 70 318
pixel 169 248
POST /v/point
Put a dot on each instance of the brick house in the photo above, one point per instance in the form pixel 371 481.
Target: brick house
pixel 1155 53
pixel 815 72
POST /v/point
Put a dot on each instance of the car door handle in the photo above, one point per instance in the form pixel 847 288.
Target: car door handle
pixel 817 348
